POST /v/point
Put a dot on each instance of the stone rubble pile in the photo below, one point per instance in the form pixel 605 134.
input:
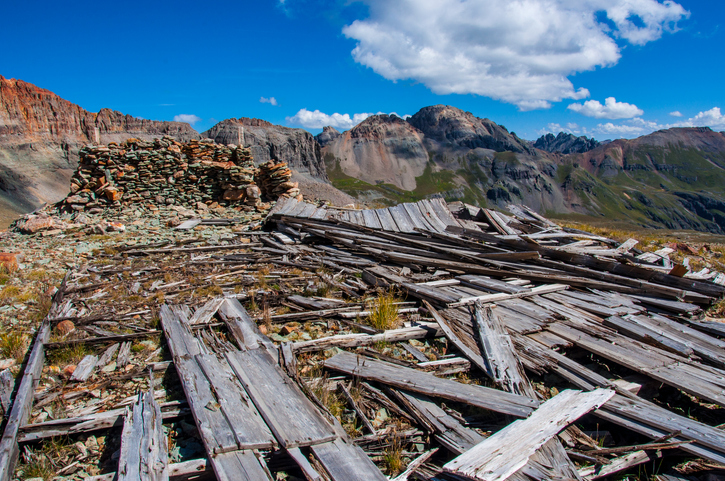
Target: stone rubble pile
pixel 275 180
pixel 166 171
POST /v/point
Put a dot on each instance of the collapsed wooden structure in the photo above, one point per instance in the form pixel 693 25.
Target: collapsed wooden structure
pixel 511 295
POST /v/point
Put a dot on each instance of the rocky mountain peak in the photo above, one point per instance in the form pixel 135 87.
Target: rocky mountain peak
pixel 327 135
pixel 380 126
pixel 566 143
pixel 450 125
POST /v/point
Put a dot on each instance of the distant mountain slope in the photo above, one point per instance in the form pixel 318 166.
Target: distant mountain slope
pixel 565 143
pixel 297 147
pixel 40 135
pixel 672 178
pixel 441 149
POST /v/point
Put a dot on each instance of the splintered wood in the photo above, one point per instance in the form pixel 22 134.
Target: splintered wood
pixel 428 341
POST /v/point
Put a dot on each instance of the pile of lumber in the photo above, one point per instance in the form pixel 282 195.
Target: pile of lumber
pixel 516 350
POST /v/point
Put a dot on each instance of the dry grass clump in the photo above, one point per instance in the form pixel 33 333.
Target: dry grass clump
pixel 384 312
pixel 13 345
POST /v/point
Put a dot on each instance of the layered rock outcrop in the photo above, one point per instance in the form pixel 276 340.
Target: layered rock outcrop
pixel 565 143
pixel 41 135
pixel 268 142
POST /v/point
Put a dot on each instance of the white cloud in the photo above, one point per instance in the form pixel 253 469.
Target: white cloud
pixel 270 100
pixel 519 52
pixel 712 118
pixel 676 113
pixel 610 110
pixel 188 118
pixel 317 120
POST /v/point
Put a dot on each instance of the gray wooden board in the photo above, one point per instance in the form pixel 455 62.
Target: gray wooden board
pixel 345 462
pixel 417 217
pixel 242 327
pixel 450 432
pixel 356 217
pixel 204 314
pixel 386 220
pixel 492 285
pixel 402 219
pixel 441 210
pixel 642 333
pixel 430 293
pixel 548 463
pixel 498 352
pixel 371 219
pixel 188 224
pixel 289 204
pixel 213 426
pixel 23 402
pixel 297 209
pixel 320 213
pixel 702 344
pixel 596 309
pixel 431 216
pixel 307 211
pixel 651 361
pixel 7 384
pixel 144 449
pixel 508 450
pixel 84 369
pixel 293 419
pixel 239 466
pixel 243 418
pixel 424 383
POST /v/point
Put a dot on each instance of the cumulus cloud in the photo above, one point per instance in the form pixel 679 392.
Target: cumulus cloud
pixel 188 118
pixel 712 118
pixel 676 113
pixel 270 100
pixel 610 110
pixel 518 52
pixel 316 119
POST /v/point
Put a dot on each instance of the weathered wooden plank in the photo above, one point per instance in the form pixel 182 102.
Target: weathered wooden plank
pixel 243 418
pixel 23 402
pixel 487 298
pixel 508 450
pixel 442 211
pixel 144 449
pixel 424 383
pixel 402 218
pixel 345 462
pixel 420 331
pixel 625 272
pixel 214 429
pixel 240 466
pixel 386 220
pixel 242 327
pixel 194 469
pixel 430 215
pixel 360 414
pixel 491 284
pixel 371 219
pixel 85 368
pixel 416 217
pixel 292 418
pixel 204 314
pixel 7 384
pixel 499 354
pixel 618 465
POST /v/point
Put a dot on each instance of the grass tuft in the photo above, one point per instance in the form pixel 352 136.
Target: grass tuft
pixel 13 345
pixel 384 313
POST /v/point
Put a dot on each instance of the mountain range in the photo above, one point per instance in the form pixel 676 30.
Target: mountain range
pixel 672 178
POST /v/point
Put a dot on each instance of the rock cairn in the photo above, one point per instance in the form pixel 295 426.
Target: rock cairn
pixel 166 171
pixel 275 180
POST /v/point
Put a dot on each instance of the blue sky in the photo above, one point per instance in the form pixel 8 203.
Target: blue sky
pixel 603 68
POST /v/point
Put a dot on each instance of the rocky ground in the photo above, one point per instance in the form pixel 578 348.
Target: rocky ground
pixel 122 273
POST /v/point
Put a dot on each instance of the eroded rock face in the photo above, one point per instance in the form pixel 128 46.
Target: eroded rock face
pixel 41 134
pixel 452 126
pixel 565 143
pixel 382 149
pixel 267 141
pixel 327 135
